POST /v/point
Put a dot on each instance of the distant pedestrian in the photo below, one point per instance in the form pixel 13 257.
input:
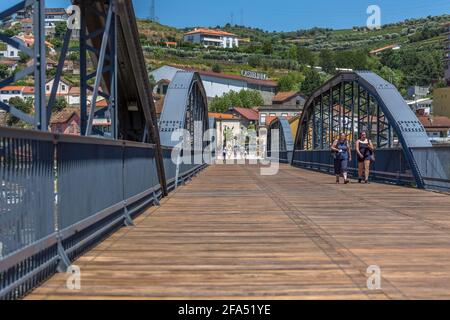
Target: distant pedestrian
pixel 342 155
pixel 364 149
pixel 224 154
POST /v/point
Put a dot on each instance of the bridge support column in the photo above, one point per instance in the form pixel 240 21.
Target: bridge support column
pixel 64 262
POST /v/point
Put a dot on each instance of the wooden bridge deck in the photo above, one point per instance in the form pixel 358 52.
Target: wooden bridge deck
pixel 232 234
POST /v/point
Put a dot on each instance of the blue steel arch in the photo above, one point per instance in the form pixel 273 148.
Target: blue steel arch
pixel 285 140
pixel 379 109
pixel 184 104
pixel 185 107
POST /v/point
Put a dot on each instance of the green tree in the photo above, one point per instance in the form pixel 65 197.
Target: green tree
pixel 267 48
pixel 216 68
pixel 290 82
pixel 311 83
pixel 243 99
pixel 26 106
pixel 327 62
pixel 60 29
pixel 4 72
pixel 23 57
pixel 306 56
pixel 59 105
pixel 292 53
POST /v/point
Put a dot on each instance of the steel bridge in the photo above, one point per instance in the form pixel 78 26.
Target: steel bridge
pixel 140 223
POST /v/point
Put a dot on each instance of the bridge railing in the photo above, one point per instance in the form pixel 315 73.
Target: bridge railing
pixel 390 166
pixel 61 194
pixel 178 174
pixel 434 164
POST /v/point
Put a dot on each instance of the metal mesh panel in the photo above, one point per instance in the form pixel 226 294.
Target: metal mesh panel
pixel 26 196
pixel 140 172
pixel 434 166
pixel 90 179
pixel 390 166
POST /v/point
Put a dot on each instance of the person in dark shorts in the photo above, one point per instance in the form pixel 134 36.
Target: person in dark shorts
pixel 364 150
pixel 343 154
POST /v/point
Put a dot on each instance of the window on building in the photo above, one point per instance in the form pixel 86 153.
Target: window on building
pixel 273 114
pixel 263 118
pixel 63 87
pixel 47 87
pixel 11 54
pixel 284 115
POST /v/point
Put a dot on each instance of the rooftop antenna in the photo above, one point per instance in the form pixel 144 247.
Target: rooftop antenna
pixel 153 10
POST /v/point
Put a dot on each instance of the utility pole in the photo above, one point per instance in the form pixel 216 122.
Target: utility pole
pixel 153 10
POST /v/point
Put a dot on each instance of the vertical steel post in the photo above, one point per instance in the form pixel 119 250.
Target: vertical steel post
pixel 83 72
pixel 100 67
pixel 40 65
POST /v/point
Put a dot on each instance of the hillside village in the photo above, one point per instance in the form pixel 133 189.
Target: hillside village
pixel 283 68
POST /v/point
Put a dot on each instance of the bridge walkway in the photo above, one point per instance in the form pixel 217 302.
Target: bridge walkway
pixel 231 233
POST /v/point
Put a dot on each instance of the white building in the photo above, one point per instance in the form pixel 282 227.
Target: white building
pixel 8 51
pixel 63 87
pixel 9 92
pixel 217 84
pixel 74 96
pixel 212 38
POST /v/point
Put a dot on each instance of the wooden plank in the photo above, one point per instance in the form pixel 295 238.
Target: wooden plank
pixel 234 234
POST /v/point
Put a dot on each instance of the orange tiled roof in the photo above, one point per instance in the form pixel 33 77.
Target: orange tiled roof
pixel 435 122
pixel 28 90
pixel 249 114
pixel 159 103
pixel 75 90
pixel 283 96
pixel 383 49
pixel 101 104
pixel 11 88
pixel 210 32
pixel 64 115
pixel 221 116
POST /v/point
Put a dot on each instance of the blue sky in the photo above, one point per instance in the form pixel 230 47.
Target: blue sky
pixel 280 15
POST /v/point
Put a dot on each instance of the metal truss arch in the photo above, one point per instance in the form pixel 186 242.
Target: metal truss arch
pixel 285 140
pixel 353 102
pixel 185 107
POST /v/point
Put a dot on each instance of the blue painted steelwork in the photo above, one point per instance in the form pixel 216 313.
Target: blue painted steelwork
pixel 435 166
pixel 285 144
pixel 185 107
pixel 38 69
pixel 67 192
pixel 353 102
pixel 391 165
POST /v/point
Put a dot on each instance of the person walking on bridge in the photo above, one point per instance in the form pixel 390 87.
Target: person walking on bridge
pixel 342 155
pixel 364 149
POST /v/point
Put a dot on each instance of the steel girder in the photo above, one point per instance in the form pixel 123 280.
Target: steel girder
pixel 353 102
pixel 285 140
pixel 39 121
pixel 184 106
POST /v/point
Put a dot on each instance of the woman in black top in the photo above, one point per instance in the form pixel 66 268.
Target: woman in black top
pixel 364 149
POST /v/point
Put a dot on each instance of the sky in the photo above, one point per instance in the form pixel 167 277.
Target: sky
pixel 277 15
